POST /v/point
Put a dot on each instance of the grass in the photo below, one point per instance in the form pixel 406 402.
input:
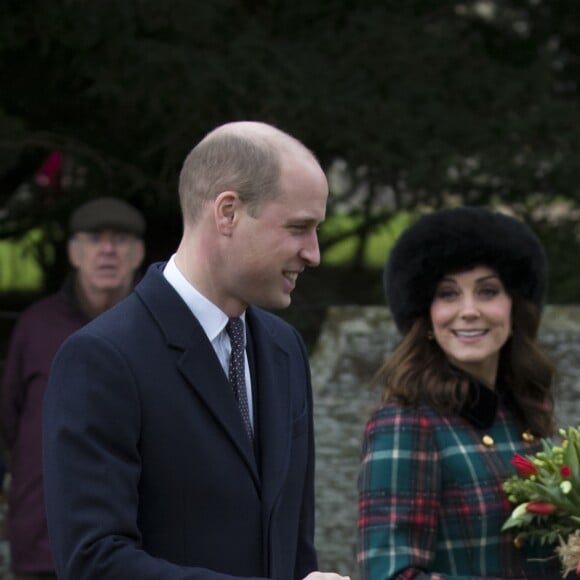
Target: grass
pixel 19 268
pixel 378 244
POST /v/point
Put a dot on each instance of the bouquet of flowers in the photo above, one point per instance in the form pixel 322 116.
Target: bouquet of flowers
pixel 546 491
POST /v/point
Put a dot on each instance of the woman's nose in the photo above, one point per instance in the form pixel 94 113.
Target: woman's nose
pixel 469 307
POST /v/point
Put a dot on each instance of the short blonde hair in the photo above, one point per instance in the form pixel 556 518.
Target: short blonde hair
pixel 244 157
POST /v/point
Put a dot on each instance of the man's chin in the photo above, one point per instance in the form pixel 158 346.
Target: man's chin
pixel 108 284
pixel 278 304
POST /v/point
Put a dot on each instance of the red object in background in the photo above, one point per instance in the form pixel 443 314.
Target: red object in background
pixel 50 171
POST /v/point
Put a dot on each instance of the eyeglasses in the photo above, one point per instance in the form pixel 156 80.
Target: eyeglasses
pixel 117 239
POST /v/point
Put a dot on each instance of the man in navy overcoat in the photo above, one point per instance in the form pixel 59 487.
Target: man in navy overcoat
pixel 150 470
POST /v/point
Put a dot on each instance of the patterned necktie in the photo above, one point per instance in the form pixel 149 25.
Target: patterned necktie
pixel 237 376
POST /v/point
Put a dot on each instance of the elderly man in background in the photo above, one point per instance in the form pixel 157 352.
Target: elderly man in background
pixel 105 250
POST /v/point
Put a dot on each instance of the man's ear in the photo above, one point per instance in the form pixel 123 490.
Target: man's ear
pixel 226 207
pixel 74 251
pixel 137 253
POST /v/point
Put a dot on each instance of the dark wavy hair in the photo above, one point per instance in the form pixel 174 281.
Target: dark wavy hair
pixel 418 371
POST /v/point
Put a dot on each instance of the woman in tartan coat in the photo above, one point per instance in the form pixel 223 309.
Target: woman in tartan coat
pixel 466 388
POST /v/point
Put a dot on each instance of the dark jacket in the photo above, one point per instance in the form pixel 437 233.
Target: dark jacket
pixel 148 470
pixel 39 332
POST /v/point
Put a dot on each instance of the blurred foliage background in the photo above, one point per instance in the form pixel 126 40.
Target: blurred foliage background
pixel 409 106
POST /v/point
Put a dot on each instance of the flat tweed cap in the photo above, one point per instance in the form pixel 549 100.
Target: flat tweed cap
pixel 107 212
pixel 455 240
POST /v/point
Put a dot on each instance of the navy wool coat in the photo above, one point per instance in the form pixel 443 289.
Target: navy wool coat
pixel 148 470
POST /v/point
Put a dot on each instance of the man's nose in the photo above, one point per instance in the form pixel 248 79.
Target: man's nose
pixel 107 243
pixel 310 251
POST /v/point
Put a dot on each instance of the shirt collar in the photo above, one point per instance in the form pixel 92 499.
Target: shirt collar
pixel 212 319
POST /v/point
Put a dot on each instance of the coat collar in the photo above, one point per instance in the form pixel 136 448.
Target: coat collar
pixel 481 405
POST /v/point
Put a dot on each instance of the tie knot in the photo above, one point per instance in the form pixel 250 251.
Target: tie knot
pixel 235 328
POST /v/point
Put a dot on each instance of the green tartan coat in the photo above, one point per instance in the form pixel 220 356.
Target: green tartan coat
pixel 431 503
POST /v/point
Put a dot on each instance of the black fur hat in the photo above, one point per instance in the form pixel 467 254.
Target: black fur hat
pixel 455 240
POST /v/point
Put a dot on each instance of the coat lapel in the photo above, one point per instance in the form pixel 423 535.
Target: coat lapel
pixel 274 407
pixel 198 363
pixel 202 370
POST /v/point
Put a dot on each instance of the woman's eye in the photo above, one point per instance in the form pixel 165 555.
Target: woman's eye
pixel 446 294
pixel 489 292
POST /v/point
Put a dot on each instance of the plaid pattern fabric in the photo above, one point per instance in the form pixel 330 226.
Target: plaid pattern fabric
pixel 431 503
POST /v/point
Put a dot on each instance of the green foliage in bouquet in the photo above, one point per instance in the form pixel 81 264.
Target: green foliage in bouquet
pixel 546 491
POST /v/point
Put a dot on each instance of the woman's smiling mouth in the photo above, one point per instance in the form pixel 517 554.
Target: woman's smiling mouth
pixel 469 333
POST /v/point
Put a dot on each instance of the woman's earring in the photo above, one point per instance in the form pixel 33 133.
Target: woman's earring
pixel 430 335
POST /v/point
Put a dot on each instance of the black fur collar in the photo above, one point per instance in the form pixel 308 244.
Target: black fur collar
pixel 480 408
